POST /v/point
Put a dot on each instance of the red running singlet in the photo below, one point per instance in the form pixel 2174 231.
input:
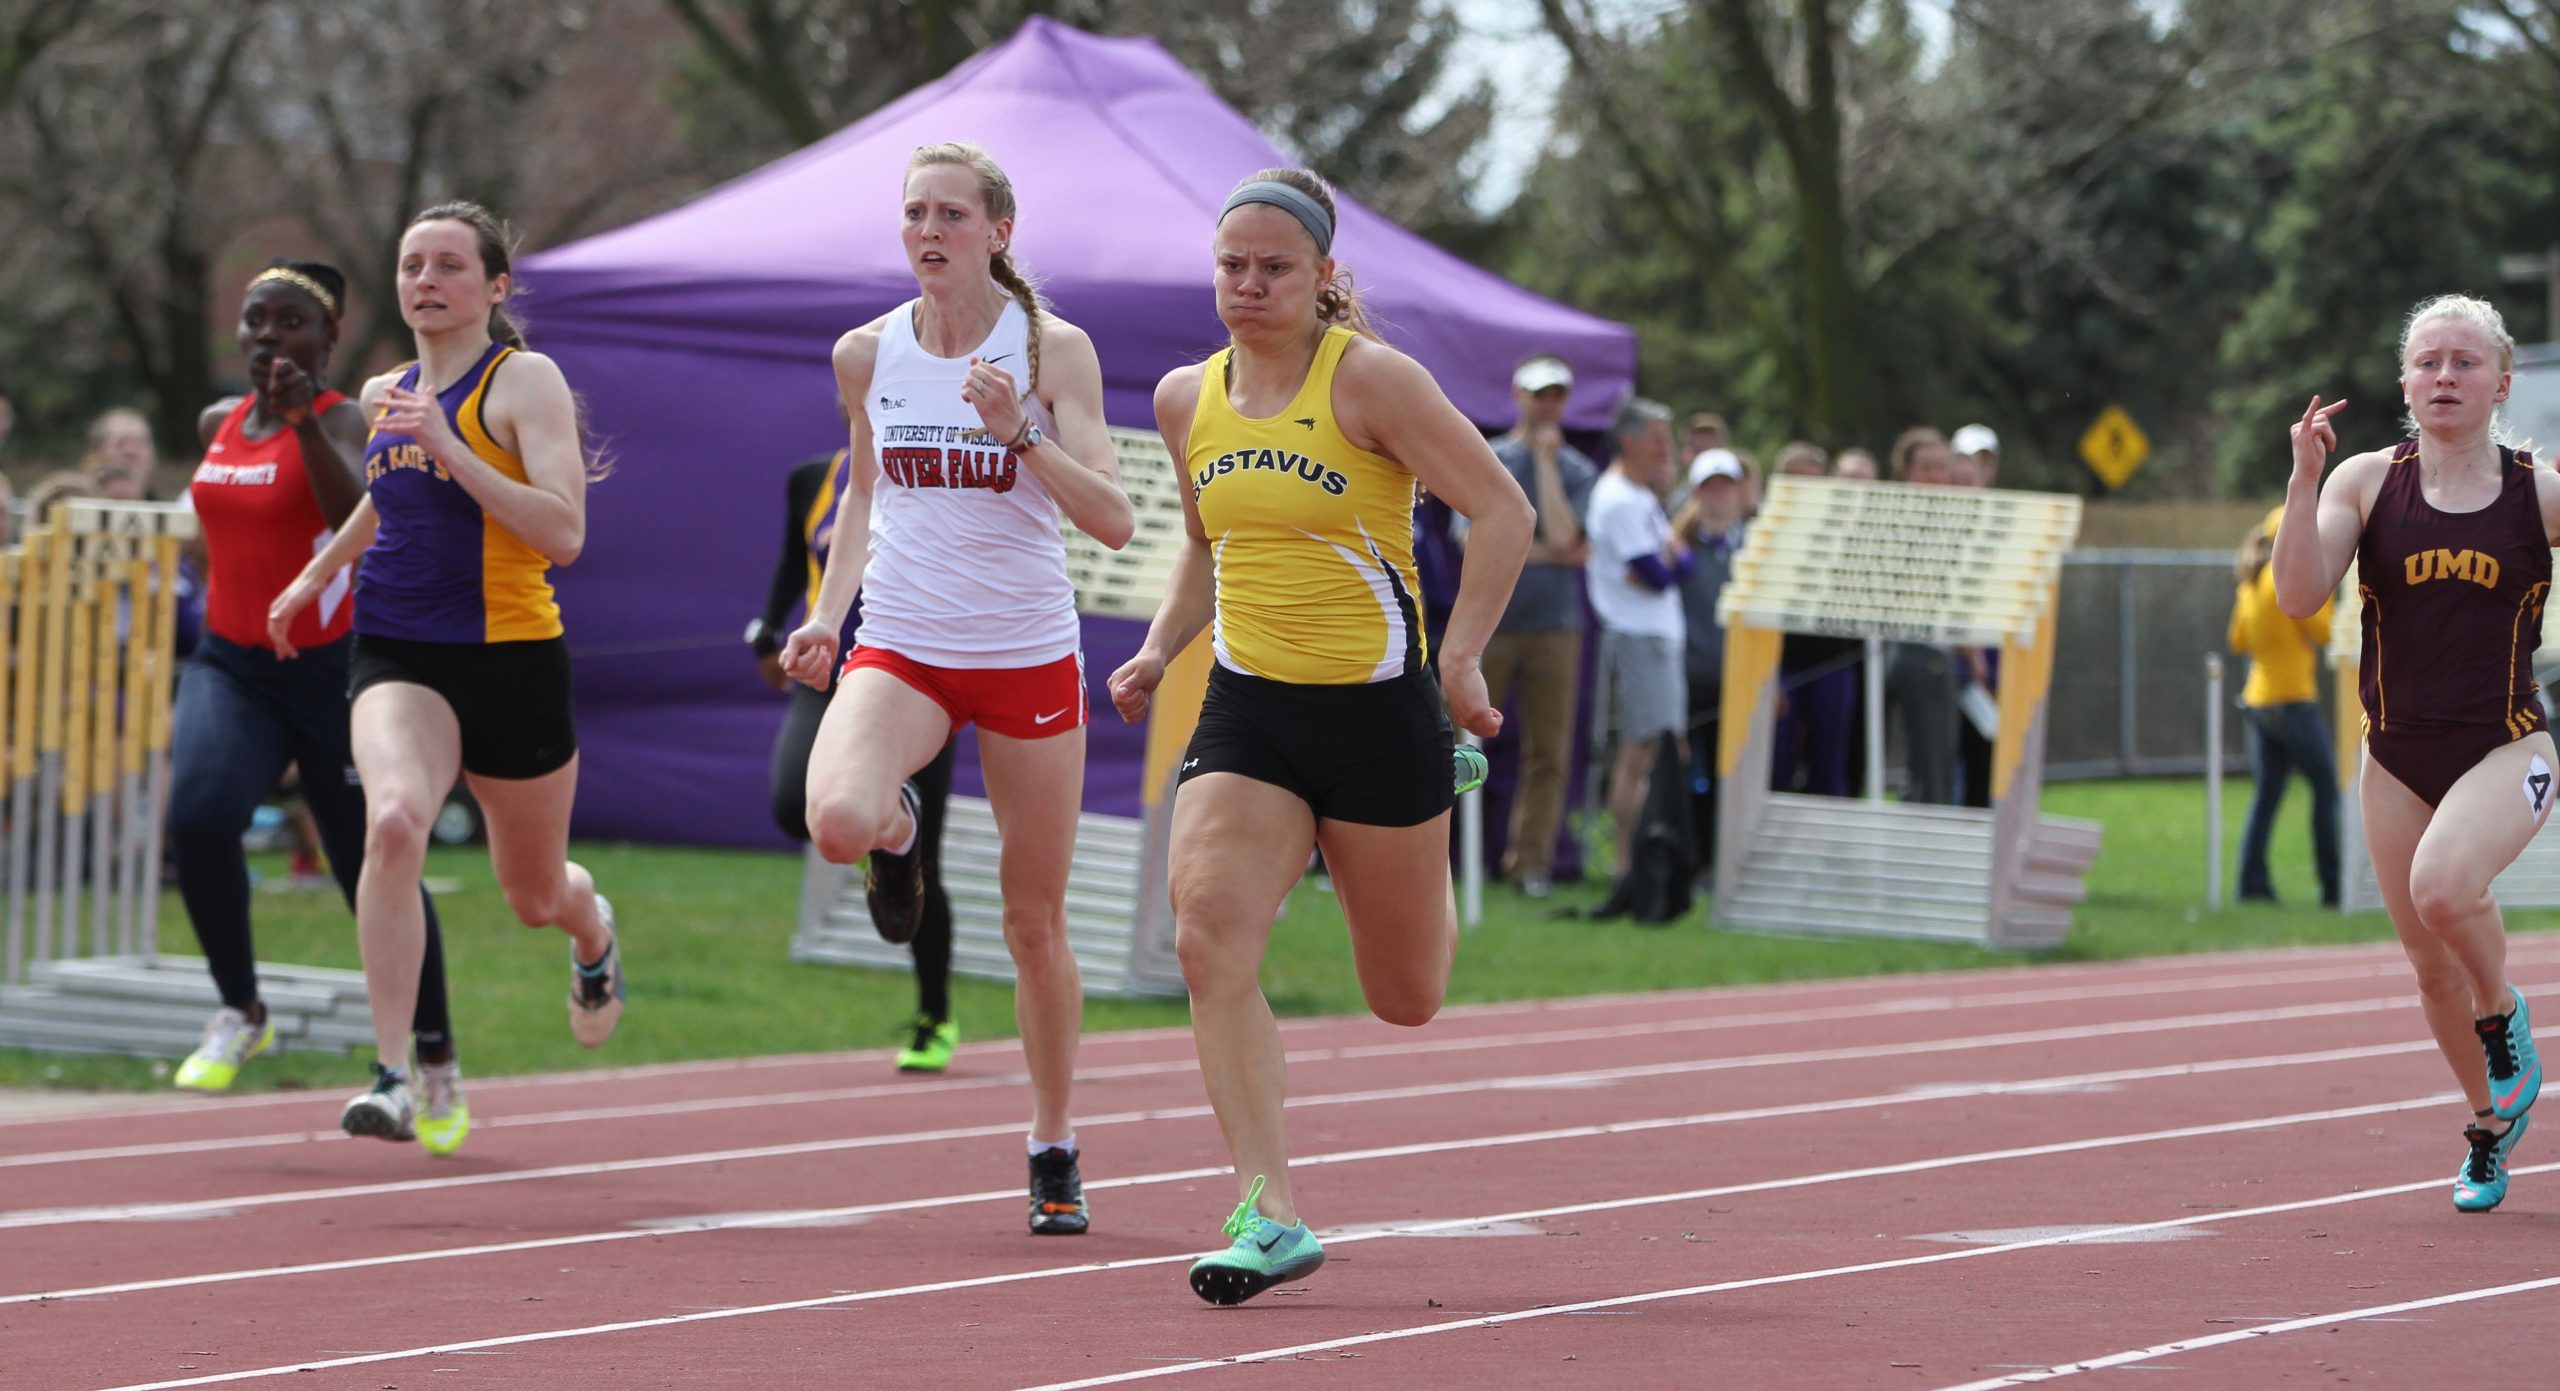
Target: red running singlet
pixel 261 526
pixel 2452 614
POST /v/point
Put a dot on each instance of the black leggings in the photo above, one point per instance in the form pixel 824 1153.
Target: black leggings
pixel 790 784
pixel 242 715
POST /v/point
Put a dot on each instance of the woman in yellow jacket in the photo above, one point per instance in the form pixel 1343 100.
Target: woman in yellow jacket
pixel 2286 733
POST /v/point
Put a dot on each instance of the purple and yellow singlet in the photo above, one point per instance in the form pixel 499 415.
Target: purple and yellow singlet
pixel 441 569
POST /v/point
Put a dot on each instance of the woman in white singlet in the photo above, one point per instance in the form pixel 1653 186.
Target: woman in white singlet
pixel 977 421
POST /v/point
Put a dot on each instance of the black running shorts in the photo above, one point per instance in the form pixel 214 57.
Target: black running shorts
pixel 511 698
pixel 1372 755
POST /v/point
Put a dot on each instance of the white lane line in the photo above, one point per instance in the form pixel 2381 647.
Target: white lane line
pixel 2210 968
pixel 2240 1335
pixel 2435 1185
pixel 55 1217
pixel 1412 1229
pixel 1949 1092
pixel 1929 1004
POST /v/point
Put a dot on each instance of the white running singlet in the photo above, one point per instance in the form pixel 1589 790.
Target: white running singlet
pixel 967 567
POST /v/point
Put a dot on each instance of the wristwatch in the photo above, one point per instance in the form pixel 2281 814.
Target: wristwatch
pixel 1029 439
pixel 761 639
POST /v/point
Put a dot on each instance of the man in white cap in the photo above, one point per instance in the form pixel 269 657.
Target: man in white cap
pixel 1977 452
pixel 1977 446
pixel 1537 647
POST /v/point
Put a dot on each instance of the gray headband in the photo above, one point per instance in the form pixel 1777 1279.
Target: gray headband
pixel 1295 202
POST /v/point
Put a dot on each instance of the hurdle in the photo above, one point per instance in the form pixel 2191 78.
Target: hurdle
pixel 1949 566
pixel 92 600
pixel 1119 914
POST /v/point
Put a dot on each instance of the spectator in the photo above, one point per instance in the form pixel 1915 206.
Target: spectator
pixel 1978 449
pixel 1975 666
pixel 1920 677
pixel 1706 430
pixel 1921 455
pixel 1711 525
pixel 121 435
pixel 1800 459
pixel 118 483
pixel 2280 702
pixel 1857 462
pixel 1537 648
pixel 1635 568
pixel 55 489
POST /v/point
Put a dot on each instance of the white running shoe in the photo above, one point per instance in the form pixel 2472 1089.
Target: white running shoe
pixel 595 1000
pixel 446 1121
pixel 229 1040
pixel 387 1112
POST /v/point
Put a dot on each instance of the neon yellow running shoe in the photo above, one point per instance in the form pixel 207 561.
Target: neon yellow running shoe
pixel 930 1050
pixel 445 1122
pixel 1264 1254
pixel 229 1040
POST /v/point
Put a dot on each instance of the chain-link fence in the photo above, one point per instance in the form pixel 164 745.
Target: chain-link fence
pixel 2135 627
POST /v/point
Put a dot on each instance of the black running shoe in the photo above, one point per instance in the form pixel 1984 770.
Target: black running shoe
pixel 893 885
pixel 1057 1195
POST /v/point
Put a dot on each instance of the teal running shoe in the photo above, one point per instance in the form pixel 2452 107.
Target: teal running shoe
pixel 2482 1184
pixel 1471 768
pixel 1264 1254
pixel 2515 1068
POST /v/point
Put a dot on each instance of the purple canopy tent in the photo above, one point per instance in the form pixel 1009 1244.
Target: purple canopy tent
pixel 699 339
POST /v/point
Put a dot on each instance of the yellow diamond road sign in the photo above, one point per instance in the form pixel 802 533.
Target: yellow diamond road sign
pixel 2114 446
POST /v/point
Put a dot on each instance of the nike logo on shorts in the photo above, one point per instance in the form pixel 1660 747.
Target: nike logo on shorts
pixel 1044 719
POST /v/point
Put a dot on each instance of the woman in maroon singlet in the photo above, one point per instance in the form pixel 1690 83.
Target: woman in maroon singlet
pixel 2451 532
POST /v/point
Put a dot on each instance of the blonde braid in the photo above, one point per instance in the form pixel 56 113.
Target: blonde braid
pixel 1009 276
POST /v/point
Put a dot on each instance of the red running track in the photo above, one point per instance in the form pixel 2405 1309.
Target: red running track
pixel 2229 1171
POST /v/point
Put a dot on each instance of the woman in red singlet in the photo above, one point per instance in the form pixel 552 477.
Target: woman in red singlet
pixel 278 477
pixel 2451 533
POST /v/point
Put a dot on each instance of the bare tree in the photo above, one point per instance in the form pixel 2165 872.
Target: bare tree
pixel 363 117
pixel 1873 141
pixel 27 29
pixel 116 153
pixel 812 66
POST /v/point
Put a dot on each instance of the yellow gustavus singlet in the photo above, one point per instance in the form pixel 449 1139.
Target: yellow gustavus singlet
pixel 1313 536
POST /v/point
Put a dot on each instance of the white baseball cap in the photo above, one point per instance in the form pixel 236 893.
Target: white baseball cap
pixel 1540 373
pixel 1976 439
pixel 1715 463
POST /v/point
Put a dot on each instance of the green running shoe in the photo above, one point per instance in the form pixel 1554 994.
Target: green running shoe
pixel 229 1040
pixel 445 1122
pixel 930 1050
pixel 1471 768
pixel 1264 1254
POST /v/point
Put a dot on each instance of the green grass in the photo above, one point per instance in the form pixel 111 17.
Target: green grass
pixel 710 936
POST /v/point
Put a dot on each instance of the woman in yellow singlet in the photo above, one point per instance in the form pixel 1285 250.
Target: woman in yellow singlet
pixel 1301 443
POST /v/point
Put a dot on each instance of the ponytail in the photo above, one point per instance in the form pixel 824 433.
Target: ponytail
pixel 504 330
